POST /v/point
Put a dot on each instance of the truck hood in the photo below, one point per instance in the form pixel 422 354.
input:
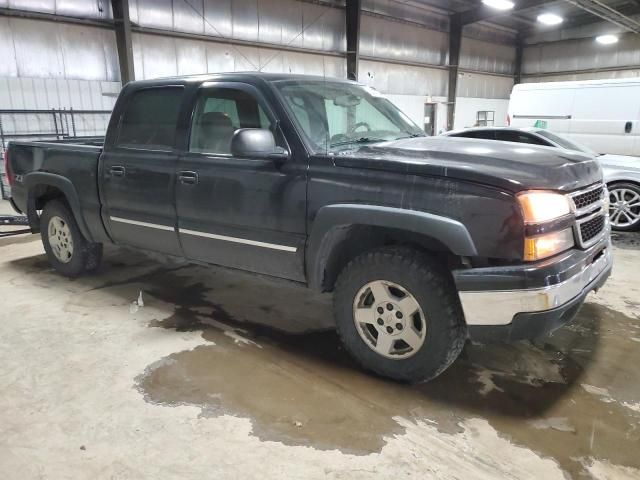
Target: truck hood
pixel 511 166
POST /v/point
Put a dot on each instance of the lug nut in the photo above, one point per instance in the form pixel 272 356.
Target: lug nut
pixel 389 306
pixel 380 310
pixel 399 326
pixel 389 330
pixel 380 321
pixel 398 314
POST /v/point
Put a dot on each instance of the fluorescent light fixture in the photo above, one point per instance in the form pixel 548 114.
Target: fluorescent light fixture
pixel 607 39
pixel 499 4
pixel 550 19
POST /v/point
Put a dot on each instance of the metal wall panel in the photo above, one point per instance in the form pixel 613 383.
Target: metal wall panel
pixel 33 48
pixel 487 57
pixel 154 57
pixel 276 22
pixel 47 93
pixel 429 18
pixel 381 38
pixel 580 54
pixel 484 86
pixel 95 9
pixel 403 79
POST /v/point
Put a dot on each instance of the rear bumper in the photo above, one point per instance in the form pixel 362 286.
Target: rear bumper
pixel 543 297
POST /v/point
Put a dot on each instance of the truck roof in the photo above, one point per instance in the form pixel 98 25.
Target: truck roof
pixel 248 76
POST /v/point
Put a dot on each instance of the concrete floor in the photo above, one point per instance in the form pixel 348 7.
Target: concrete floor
pixel 228 375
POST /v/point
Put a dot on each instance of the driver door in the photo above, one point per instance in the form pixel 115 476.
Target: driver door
pixel 238 212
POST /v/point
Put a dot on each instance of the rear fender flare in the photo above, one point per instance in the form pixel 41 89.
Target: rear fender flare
pixel 36 179
pixel 332 222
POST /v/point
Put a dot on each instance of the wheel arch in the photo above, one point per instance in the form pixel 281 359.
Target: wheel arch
pixel 342 231
pixel 43 187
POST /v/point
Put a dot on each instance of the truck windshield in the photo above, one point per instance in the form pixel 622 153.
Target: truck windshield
pixel 337 115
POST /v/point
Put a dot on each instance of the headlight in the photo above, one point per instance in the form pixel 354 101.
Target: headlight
pixel 539 206
pixel 543 246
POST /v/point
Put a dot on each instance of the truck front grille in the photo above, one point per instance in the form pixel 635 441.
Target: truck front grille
pixel 590 229
pixel 583 200
pixel 591 215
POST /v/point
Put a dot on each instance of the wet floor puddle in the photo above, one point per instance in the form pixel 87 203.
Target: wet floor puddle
pixel 302 389
pixel 572 397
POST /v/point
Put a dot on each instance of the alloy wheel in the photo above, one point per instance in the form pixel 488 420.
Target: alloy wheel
pixel 389 319
pixel 624 207
pixel 60 239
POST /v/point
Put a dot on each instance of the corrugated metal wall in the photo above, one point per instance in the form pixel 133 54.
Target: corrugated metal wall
pixel 95 9
pixel 158 56
pixel 582 54
pixel 275 22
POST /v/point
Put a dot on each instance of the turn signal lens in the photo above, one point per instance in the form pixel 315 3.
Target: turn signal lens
pixel 543 246
pixel 539 206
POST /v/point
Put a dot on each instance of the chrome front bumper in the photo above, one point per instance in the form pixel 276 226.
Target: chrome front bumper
pixel 499 307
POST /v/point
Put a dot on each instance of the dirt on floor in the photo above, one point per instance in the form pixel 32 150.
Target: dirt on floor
pixel 228 375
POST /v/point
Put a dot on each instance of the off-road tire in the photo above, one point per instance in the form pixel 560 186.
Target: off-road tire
pixel 433 288
pixel 86 255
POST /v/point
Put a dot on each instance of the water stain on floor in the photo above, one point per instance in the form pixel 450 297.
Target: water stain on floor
pixel 302 389
pixel 272 357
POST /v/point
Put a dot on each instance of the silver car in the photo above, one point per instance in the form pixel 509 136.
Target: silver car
pixel 621 173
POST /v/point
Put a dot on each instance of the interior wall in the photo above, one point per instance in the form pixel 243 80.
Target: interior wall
pixel 79 64
pixel 581 59
pixel 467 109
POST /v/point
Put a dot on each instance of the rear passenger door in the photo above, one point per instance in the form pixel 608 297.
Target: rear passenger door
pixel 239 212
pixel 138 171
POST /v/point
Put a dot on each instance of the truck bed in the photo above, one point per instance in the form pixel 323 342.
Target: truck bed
pixel 76 161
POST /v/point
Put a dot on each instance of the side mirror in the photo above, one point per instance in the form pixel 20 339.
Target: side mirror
pixel 256 143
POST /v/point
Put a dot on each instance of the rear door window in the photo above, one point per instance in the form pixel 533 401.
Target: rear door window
pixel 150 119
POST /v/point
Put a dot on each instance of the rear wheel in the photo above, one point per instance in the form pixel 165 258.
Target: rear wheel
pixel 398 314
pixel 624 206
pixel 67 249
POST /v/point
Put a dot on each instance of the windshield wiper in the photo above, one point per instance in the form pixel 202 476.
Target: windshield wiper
pixel 357 140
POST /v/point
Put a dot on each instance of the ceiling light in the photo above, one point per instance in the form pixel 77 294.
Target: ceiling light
pixel 607 39
pixel 499 4
pixel 550 19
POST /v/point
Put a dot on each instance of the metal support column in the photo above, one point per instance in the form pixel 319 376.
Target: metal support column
pixel 455 41
pixel 517 73
pixel 122 26
pixel 352 17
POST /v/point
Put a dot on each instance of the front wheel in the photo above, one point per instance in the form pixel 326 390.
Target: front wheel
pixel 624 206
pixel 398 314
pixel 67 250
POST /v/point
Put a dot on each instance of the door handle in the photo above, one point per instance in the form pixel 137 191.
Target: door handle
pixel 628 127
pixel 187 177
pixel 117 171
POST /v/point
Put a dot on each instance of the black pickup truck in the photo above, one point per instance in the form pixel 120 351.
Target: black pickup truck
pixel 425 242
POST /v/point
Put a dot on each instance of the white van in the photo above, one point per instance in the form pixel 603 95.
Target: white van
pixel 601 114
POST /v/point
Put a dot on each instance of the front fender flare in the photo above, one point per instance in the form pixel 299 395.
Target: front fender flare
pixel 331 222
pixel 36 179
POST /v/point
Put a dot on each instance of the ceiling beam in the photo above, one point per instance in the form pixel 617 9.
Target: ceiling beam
pixel 586 19
pixel 482 12
pixel 599 9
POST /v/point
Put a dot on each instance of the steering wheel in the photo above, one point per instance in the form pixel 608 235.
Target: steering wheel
pixel 360 124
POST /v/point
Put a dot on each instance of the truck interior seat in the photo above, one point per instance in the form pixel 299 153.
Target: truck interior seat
pixel 213 133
